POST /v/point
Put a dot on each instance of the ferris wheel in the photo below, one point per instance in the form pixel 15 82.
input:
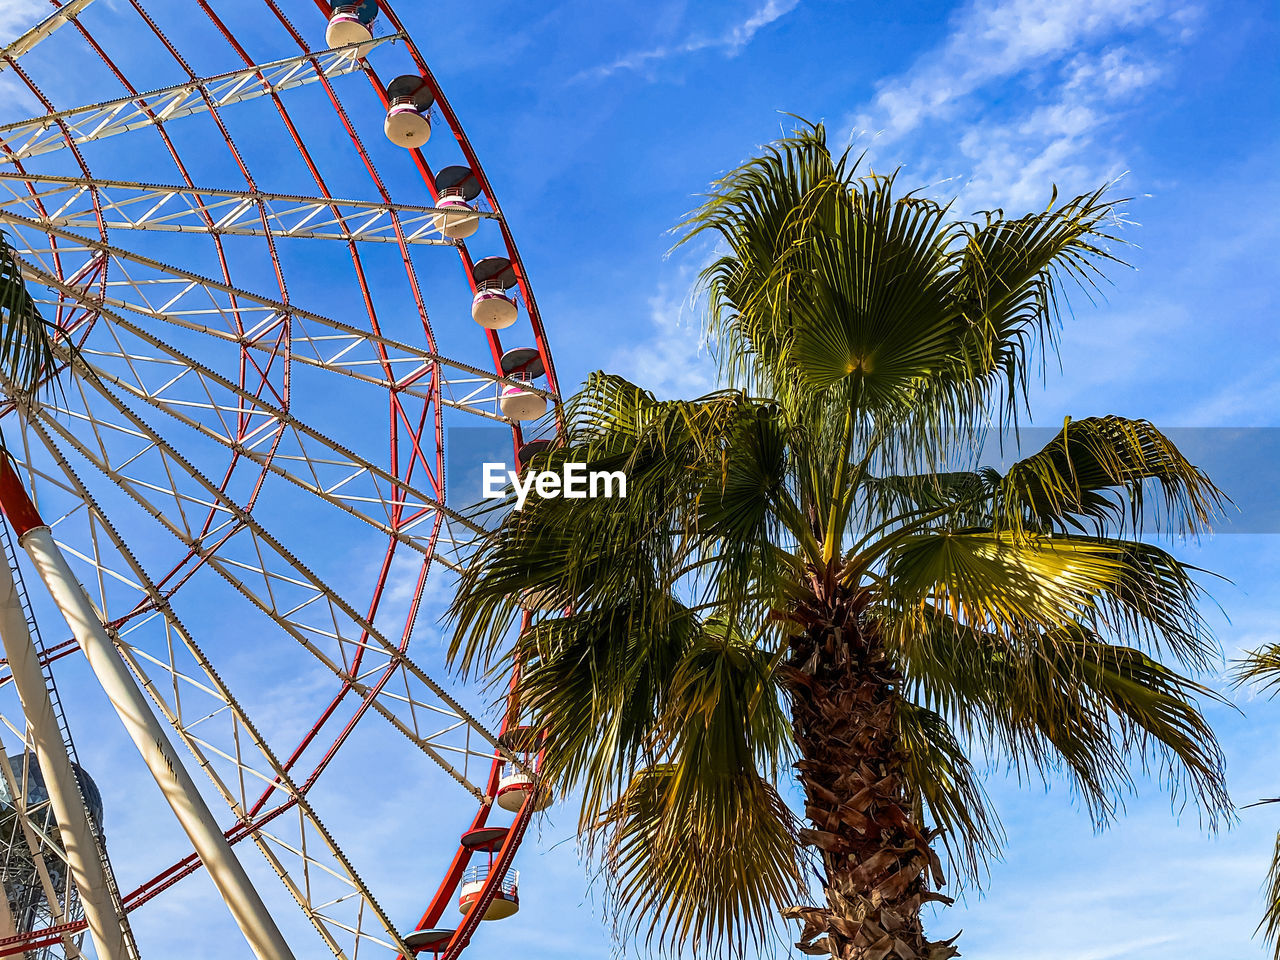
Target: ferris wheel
pixel 280 279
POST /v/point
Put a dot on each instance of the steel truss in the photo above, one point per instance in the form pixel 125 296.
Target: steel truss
pixel 229 367
pixel 31 849
pixel 271 809
pixel 80 125
pixel 251 426
pixel 251 321
pixel 192 696
pixel 78 202
pixel 41 31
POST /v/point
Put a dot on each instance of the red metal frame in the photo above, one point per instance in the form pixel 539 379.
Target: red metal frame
pixel 407 429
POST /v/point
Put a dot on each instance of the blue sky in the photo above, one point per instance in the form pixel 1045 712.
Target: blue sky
pixel 600 123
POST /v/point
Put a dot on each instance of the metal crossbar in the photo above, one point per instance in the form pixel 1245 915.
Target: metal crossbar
pixel 79 125
pixel 78 202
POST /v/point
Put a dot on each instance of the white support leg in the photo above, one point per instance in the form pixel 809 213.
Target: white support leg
pixel 226 872
pixel 64 791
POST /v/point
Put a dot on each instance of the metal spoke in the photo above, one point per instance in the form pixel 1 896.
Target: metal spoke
pixel 214 726
pixel 56 131
pixel 35 825
pixel 249 558
pixel 209 403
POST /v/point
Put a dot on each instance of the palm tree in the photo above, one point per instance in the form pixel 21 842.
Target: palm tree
pixel 26 339
pixel 1262 667
pixel 794 582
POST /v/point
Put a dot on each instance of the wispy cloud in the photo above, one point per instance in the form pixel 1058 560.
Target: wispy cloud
pixel 673 362
pixel 1250 400
pixel 994 40
pixel 742 34
pixel 19 16
pixel 730 40
pixel 16 18
pixel 1133 883
pixel 1021 93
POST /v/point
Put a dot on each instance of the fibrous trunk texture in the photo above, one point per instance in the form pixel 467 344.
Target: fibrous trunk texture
pixel 876 858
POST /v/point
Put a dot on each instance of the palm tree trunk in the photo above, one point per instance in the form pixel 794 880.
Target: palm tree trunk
pixel 876 858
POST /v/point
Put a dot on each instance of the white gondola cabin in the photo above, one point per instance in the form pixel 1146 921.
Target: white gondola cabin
pixel 408 122
pixel 520 400
pixel 494 305
pixel 506 899
pixel 456 188
pixel 516 784
pixel 352 23
pixel 506 893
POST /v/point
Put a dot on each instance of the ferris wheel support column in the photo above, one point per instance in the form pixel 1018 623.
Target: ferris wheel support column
pixel 226 872
pixel 79 843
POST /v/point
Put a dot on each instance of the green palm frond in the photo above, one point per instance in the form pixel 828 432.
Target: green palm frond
pixel 1260 667
pixel 998 582
pixel 697 874
pixel 725 705
pixel 993 581
pixel 701 839
pixel 1064 699
pixel 753 211
pixel 1100 470
pixel 1270 925
pixel 834 282
pixel 962 498
pixel 1156 715
pixel 831 279
pixel 1008 286
pixel 598 682
pixel 946 791
pixel 26 339
pixel 707 491
pixel 864 256
pixel 1095 476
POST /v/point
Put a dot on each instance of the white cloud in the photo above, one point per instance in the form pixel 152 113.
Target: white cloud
pixel 1132 883
pixel 1116 74
pixel 731 41
pixel 991 40
pixel 1248 401
pixel 1021 95
pixel 19 16
pixel 674 361
pixel 1013 164
pixel 741 35
pixel 16 18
